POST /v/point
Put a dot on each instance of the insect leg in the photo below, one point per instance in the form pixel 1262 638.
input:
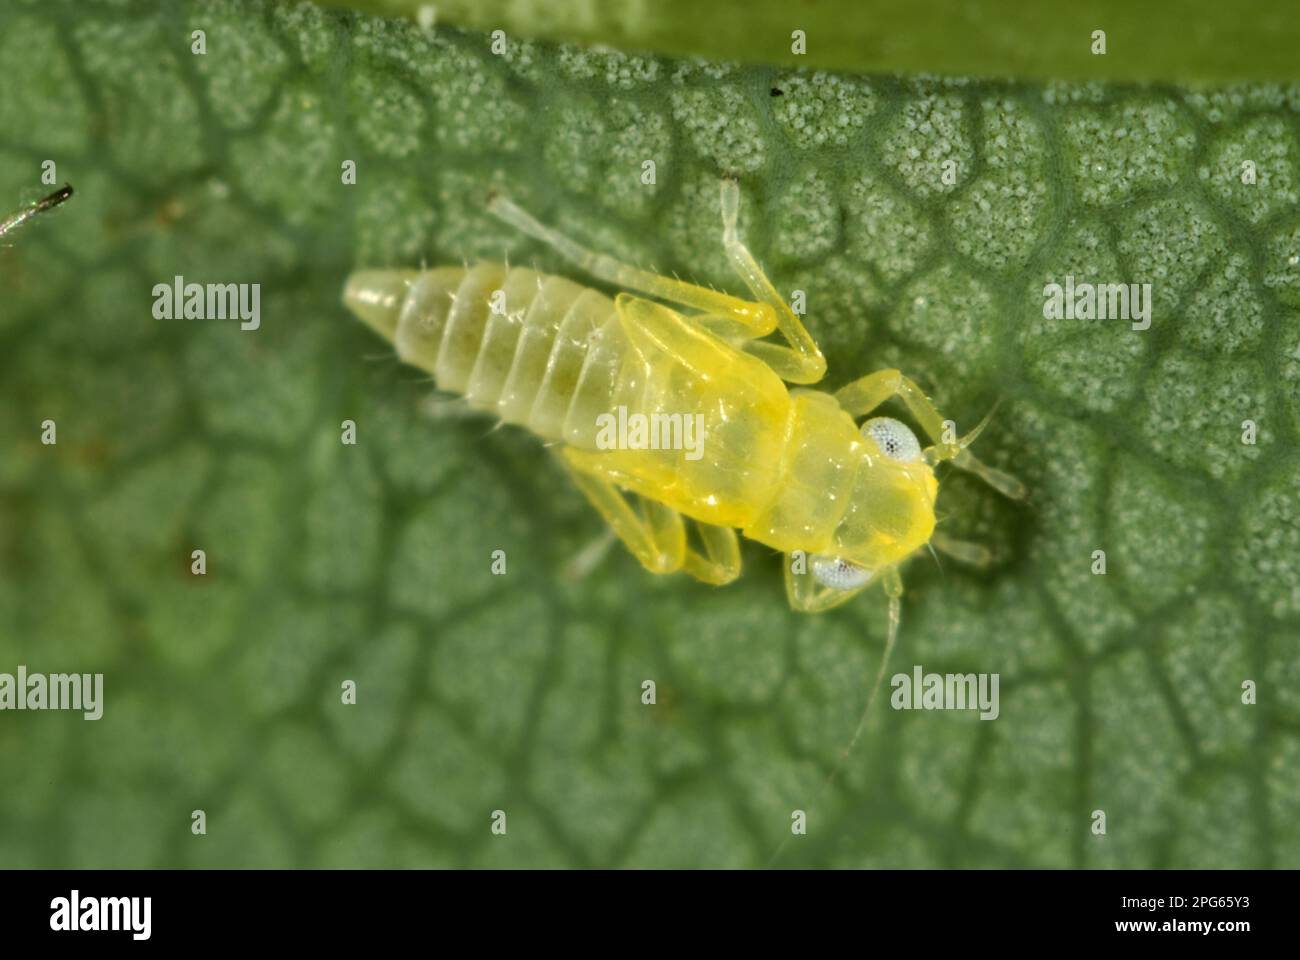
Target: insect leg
pixel 866 393
pixel 1004 483
pixel 720 562
pixel 654 329
pixel 656 535
pixel 801 361
pixel 963 551
pixel 656 538
pixel 754 317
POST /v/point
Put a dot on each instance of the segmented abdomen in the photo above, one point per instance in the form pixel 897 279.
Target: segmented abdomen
pixel 544 352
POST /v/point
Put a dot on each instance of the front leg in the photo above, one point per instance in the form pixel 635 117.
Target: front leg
pixel 865 394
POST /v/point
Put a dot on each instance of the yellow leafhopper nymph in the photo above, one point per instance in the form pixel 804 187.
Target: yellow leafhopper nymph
pixel 793 470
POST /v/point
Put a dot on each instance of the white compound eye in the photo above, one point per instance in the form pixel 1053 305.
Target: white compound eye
pixel 839 574
pixel 893 438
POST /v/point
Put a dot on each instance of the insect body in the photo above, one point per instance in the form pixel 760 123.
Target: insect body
pixel 792 470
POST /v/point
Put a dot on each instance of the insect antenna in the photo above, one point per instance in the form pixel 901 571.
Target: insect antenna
pixel 891 640
pixel 19 217
pixel 895 616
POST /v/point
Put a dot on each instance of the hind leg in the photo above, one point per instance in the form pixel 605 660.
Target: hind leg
pixel 800 361
pixel 755 319
pixel 720 562
pixel 658 544
pixel 656 534
pixel 727 316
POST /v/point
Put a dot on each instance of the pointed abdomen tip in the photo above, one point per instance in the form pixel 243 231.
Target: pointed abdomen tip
pixel 376 297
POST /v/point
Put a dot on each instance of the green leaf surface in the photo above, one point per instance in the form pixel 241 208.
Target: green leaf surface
pixel 522 692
